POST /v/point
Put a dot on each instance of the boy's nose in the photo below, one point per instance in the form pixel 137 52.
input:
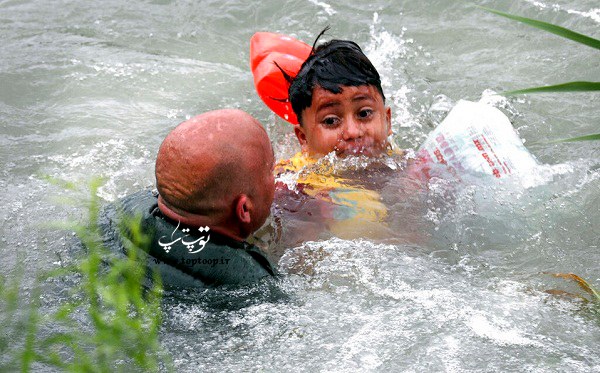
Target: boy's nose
pixel 352 130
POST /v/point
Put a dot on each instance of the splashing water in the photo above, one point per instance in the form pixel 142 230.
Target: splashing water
pixel 454 282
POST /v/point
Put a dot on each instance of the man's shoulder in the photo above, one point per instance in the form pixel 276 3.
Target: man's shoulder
pixel 207 256
pixel 210 258
pixel 230 260
pixel 141 203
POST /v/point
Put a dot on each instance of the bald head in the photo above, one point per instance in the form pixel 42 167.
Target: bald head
pixel 209 160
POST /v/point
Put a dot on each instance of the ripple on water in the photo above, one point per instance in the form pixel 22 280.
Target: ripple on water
pixel 379 307
pixel 94 89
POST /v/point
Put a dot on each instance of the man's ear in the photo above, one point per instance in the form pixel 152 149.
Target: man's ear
pixel 299 131
pixel 243 207
pixel 388 117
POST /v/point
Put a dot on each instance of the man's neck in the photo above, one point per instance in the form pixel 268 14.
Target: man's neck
pixel 197 220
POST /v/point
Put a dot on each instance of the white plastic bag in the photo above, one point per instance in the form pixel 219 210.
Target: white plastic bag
pixel 477 139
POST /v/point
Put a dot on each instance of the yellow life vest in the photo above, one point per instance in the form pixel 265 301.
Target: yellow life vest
pixel 356 211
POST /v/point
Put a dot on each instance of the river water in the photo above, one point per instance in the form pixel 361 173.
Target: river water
pixel 90 88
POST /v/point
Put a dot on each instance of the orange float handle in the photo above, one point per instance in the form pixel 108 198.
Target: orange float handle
pixel 266 49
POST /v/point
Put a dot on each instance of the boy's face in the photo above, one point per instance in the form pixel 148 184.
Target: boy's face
pixel 352 122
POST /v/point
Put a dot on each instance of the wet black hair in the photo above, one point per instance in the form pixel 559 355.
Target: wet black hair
pixel 331 65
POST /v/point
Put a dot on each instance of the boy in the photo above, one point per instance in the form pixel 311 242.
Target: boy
pixel 340 106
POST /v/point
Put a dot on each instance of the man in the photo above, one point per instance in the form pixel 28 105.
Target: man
pixel 214 175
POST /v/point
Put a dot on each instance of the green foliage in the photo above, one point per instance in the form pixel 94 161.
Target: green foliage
pixel 578 86
pixel 581 138
pixel 18 323
pixel 121 317
pixel 557 30
pixel 566 87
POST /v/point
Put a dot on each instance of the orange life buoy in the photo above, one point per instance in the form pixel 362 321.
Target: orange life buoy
pixel 266 48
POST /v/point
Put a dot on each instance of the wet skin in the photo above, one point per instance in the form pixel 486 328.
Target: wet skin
pixel 352 122
pixel 216 169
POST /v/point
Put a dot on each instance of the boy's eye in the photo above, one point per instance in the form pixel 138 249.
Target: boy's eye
pixel 365 113
pixel 331 121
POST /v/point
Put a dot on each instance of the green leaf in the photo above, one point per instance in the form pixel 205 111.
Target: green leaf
pixel 581 138
pixel 565 87
pixel 557 30
pixel 59 182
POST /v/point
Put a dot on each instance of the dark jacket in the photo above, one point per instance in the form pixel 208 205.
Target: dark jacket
pixel 187 256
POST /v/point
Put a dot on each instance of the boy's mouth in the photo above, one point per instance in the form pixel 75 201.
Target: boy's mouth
pixel 364 146
pixel 356 149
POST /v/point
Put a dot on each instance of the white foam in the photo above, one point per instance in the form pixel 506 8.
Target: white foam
pixel 497 333
pixel 593 14
pixel 326 7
